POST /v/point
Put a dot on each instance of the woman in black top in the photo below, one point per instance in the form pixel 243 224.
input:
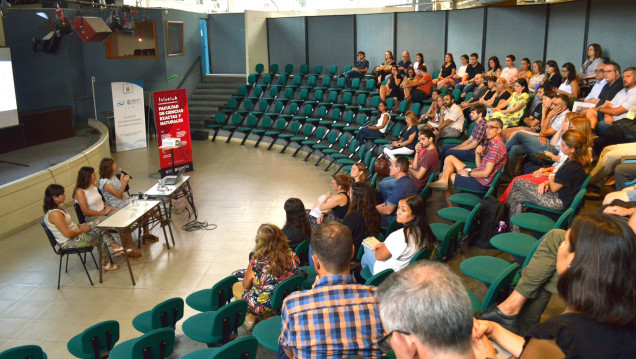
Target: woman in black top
pixel 392 87
pixel 560 189
pixel 597 281
pixel 363 219
pixel 552 75
pixel 297 227
pixel 333 207
pixel 446 73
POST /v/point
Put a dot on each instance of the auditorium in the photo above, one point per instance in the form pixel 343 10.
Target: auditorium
pixel 382 179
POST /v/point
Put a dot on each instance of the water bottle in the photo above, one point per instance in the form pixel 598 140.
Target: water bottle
pixel 502 226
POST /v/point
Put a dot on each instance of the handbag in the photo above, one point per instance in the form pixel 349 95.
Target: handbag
pixel 381 166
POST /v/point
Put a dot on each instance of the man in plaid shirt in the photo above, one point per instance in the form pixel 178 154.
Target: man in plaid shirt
pixel 466 150
pixel 488 160
pixel 336 318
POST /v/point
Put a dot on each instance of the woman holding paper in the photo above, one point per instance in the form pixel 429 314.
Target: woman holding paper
pixel 332 207
pixel 400 246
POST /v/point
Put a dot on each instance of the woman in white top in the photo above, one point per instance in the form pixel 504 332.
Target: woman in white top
pixel 72 235
pixel 419 60
pixel 376 130
pixel 570 85
pixel 402 245
pixel 461 71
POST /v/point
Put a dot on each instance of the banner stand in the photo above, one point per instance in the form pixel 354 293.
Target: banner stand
pixel 173 131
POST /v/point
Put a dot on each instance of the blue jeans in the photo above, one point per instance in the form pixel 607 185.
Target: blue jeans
pixel 601 125
pixel 386 186
pixel 525 143
pixel 367 132
pixel 310 252
pixel 465 89
pixel 368 259
pixel 462 155
pixel 352 74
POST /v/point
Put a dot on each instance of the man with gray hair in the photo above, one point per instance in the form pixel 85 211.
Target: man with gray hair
pixel 426 313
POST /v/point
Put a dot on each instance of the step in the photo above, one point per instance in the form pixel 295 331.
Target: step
pixel 214 91
pixel 213 78
pixel 207 97
pixel 219 85
pixel 206 103
pixel 203 109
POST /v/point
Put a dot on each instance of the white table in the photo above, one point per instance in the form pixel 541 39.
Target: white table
pixel 181 189
pixel 126 220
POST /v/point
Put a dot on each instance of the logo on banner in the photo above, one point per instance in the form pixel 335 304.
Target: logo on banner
pixel 129 115
pixel 173 127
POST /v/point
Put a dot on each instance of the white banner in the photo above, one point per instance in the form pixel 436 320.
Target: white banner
pixel 128 111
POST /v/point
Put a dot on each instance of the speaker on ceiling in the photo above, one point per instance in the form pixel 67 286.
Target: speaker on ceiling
pixel 91 29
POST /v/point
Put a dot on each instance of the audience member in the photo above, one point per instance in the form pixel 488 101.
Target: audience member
pixel 533 117
pixel 515 105
pixel 559 190
pixel 570 85
pixel 362 218
pixel 433 109
pixel 494 67
pixel 271 262
pixel 418 89
pixel 419 60
pixel 394 189
pixel 466 150
pixel 610 113
pixel 553 77
pixel 405 63
pixel 479 91
pixel 405 146
pixel 445 77
pixel 538 75
pixel 306 314
pixel 626 186
pixel 592 60
pixel 613 84
pixel 392 87
pixel 498 100
pixel 595 92
pixel 376 130
pixel 461 74
pixel 525 72
pixel 488 161
pixel 88 197
pixel 453 120
pixel 359 69
pixel 433 294
pixel 359 173
pixel 489 97
pixel 609 158
pixel 384 69
pixel 70 235
pixel 426 159
pixel 332 208
pixel 473 69
pixel 510 70
pixel 403 244
pixel 297 227
pixel 410 76
pixel 597 321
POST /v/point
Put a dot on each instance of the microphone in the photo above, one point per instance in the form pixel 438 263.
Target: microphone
pixel 125 173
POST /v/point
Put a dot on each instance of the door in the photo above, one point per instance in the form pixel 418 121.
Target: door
pixel 205 53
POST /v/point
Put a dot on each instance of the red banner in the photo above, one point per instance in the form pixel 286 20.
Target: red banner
pixel 173 122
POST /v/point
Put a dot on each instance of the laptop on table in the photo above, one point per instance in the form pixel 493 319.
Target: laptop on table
pixel 172 180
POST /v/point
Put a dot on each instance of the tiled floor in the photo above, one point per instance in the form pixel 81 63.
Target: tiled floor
pixel 236 188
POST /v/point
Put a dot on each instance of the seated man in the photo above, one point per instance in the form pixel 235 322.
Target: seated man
pixel 625 175
pixel 395 187
pixel 466 150
pixel 453 120
pixel 533 117
pixel 494 158
pixel 608 83
pixel 479 91
pixel 349 310
pixel 474 68
pixel 610 157
pixel 359 69
pixel 510 70
pixel 615 126
pixel 414 334
pixel 555 107
pixel 426 159
pixel 418 89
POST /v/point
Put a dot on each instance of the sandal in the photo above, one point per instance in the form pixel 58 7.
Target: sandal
pixel 132 254
pixel 150 237
pixel 117 251
pixel 109 267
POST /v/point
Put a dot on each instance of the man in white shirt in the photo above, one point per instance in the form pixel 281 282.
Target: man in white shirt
pixel 453 120
pixel 510 70
pixel 600 82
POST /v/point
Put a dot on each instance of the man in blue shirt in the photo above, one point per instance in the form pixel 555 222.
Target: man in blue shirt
pixel 403 185
pixel 359 69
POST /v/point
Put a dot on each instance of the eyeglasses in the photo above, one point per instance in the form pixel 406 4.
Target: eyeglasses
pixel 606 71
pixel 598 71
pixel 384 343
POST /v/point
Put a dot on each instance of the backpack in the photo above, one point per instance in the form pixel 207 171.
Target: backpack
pixel 492 212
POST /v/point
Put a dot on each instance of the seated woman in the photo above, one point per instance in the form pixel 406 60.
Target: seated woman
pixel 446 73
pixel 461 71
pixel 392 87
pixel 419 60
pixel 433 109
pixel 297 227
pixel 72 235
pixel 271 263
pixel 494 67
pixel 552 77
pixel 597 281
pixel 359 173
pixel 559 190
pixel 434 117
pixel 538 75
pixel 524 73
pixel 593 59
pixel 515 106
pixel 408 139
pixel 570 85
pixel 87 195
pixel 400 246
pixel 498 99
pixel 376 130
pixel 362 218
pixel 384 69
pixel 539 175
pixel 330 207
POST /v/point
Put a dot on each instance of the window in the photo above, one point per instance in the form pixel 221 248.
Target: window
pixel 141 43
pixel 174 38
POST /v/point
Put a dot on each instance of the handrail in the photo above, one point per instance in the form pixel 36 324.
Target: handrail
pixel 198 59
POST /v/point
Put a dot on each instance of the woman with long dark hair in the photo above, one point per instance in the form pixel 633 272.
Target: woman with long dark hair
pixel 87 195
pixel 494 67
pixel 569 85
pixel 513 108
pixel 400 246
pixel 446 73
pixel 597 281
pixel 552 75
pixel 363 219
pixel 72 235
pixel 297 227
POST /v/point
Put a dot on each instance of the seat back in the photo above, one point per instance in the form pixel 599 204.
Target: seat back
pixel 23 352
pixel 312 80
pixel 374 180
pixel 390 102
pixel 273 92
pixel 302 251
pixel 100 338
pixel 248 105
pixel 228 318
pixel 232 104
pixel 289 68
pixel 51 237
pixel 78 211
pixel 304 69
pixel 157 344
pixel 318 69
pixel 416 107
pixel 333 97
pixel 333 69
pixel 222 291
pixel 298 80
pixel 236 119
pixel 321 132
pixel 266 123
pixel 565 218
pixel 242 91
pixel 284 288
pixel 282 80
pixel 289 93
pixel 294 127
pixel 391 228
pixel 303 95
pixel 280 124
pixel 273 68
pixel 403 106
pixel 502 281
pixel 267 79
pixel 326 81
pixel 278 107
pixel 341 83
pixel 362 100
pixel 308 110
pixel 355 83
pixel 259 68
pixel 167 313
pixel 347 68
pixel 219 119
pixel 370 86
pixel 335 114
pixel 471 218
pixel 378 278
pixel 447 240
pixel 423 254
pixel 251 79
pixel 375 101
pixel 240 348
